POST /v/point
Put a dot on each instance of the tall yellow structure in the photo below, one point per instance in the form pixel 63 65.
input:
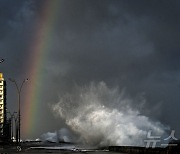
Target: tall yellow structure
pixel 2 104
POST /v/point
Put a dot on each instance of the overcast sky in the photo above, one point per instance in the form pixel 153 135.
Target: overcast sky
pixel 133 45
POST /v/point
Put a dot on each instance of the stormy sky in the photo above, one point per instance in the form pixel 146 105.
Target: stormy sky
pixel 133 45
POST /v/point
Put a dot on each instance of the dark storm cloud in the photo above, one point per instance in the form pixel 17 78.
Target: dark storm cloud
pixel 132 44
pixel 14 26
pixel 118 38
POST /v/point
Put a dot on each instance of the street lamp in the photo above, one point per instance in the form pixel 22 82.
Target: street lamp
pixel 19 108
pixel 2 60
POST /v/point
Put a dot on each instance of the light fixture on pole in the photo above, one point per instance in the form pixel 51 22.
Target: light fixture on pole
pixel 2 60
pixel 19 108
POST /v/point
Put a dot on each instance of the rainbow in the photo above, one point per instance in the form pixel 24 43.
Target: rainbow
pixel 39 49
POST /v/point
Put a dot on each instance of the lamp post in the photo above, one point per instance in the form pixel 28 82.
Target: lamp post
pixel 16 127
pixel 19 108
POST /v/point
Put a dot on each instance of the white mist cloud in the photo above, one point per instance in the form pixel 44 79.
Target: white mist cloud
pixel 62 135
pixel 103 116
